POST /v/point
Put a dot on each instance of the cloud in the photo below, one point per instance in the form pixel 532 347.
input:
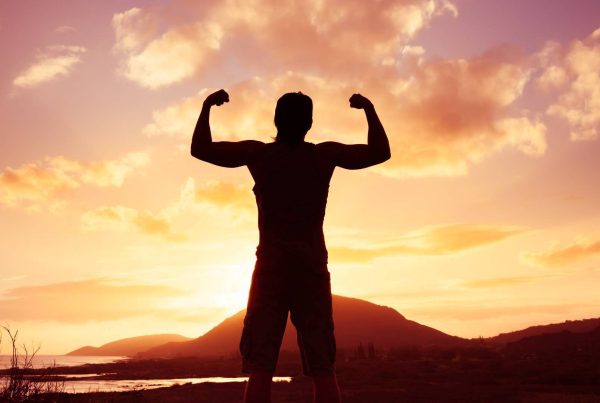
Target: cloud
pixel 160 49
pixel 171 57
pixel 32 185
pixel 51 63
pixel 430 241
pixel 232 201
pixel 85 301
pixel 122 218
pixel 65 29
pixel 224 194
pixel 574 71
pixel 452 113
pixel 442 117
pixel 563 255
pixel 132 28
pixel 501 281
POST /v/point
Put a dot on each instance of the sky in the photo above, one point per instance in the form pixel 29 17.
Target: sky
pixel 485 220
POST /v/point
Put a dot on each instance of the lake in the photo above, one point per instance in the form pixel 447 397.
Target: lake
pixel 43 361
pixel 124 385
pixel 83 385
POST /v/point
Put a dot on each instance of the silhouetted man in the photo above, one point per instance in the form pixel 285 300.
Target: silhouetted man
pixel 291 184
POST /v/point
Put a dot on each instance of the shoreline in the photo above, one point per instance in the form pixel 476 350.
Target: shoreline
pixel 470 374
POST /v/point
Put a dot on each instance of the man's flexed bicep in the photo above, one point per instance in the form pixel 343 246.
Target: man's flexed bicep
pixel 358 156
pixel 227 154
pixel 348 156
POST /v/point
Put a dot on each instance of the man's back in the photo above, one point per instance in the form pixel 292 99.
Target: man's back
pixel 291 187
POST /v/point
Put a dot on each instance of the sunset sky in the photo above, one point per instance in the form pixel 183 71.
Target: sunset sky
pixel 485 220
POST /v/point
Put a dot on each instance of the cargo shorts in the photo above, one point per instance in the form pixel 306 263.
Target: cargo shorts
pixel 303 289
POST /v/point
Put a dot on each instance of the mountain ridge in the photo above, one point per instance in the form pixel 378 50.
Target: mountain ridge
pixel 381 325
pixel 573 326
pixel 378 324
pixel 129 346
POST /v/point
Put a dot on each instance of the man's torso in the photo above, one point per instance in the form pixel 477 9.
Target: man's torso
pixel 291 188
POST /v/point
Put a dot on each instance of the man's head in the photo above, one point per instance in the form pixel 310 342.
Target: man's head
pixel 293 117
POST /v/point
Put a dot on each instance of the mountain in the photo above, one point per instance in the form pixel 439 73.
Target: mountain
pixel 356 321
pixel 573 326
pixel 563 343
pixel 130 346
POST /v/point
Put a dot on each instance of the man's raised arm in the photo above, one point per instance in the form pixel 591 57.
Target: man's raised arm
pixel 222 153
pixel 358 156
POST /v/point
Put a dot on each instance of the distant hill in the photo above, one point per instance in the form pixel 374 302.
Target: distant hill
pixel 573 326
pixel 130 346
pixel 356 321
pixel 562 345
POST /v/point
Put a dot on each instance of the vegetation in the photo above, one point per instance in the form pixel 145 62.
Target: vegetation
pixel 18 383
pixel 558 367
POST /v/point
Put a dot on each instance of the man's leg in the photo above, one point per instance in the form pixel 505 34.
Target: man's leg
pixel 264 326
pixel 326 389
pixel 312 314
pixel 258 388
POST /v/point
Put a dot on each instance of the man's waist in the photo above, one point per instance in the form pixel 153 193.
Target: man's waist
pixel 284 249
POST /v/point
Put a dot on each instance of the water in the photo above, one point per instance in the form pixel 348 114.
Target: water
pixel 43 361
pixel 122 385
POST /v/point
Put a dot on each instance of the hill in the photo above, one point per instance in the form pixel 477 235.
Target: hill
pixel 356 321
pixel 130 346
pixel 573 326
pixel 561 344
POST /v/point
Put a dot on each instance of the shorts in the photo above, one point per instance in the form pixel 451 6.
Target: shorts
pixel 304 290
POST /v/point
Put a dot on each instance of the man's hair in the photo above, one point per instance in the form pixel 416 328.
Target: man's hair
pixel 293 117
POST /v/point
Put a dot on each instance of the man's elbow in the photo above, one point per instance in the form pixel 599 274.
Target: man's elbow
pixel 195 153
pixel 198 152
pixel 384 156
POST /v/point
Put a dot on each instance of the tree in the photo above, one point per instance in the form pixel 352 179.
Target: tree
pixel 360 351
pixel 371 349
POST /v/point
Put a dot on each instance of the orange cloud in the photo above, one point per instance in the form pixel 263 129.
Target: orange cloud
pixel 332 36
pixel 441 115
pixel 34 184
pixel 53 62
pixel 574 71
pixel 225 194
pixel 85 301
pixel 210 198
pixel 121 218
pixel 452 113
pixel 214 197
pixel 169 58
pixel 444 116
pixel 563 255
pixel 501 281
pixel 431 241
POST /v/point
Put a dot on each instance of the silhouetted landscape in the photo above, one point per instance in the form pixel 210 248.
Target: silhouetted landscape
pixel 386 358
pixel 129 346
pixel 356 321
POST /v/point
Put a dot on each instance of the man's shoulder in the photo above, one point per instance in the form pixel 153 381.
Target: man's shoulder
pixel 329 147
pixel 257 144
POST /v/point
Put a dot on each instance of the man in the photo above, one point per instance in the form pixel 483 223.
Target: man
pixel 291 185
